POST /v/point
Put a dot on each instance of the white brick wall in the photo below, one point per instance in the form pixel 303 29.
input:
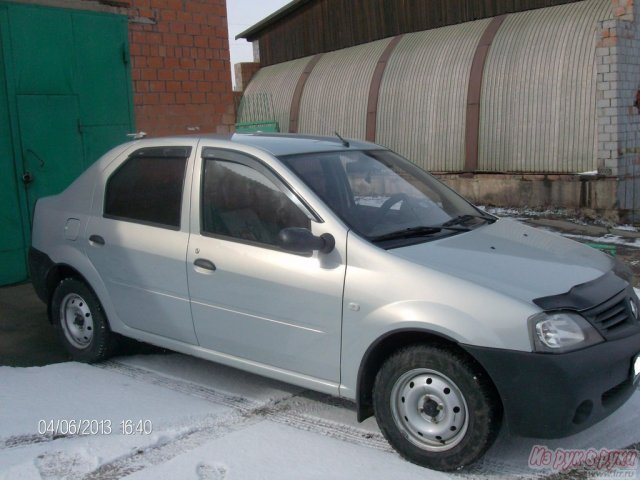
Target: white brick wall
pixel 618 83
pixel 618 80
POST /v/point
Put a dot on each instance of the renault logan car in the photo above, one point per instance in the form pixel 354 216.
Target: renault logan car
pixel 340 267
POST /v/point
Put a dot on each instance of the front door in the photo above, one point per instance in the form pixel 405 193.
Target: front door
pixel 249 298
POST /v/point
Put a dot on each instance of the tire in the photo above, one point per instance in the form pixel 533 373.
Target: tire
pixel 81 323
pixel 436 407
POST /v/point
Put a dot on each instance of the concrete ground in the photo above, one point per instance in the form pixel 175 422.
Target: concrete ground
pixel 27 339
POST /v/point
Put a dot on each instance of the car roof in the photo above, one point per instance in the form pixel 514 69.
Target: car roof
pixel 277 144
pixel 290 144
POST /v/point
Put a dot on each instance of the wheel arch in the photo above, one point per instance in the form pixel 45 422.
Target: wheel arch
pixel 385 346
pixel 58 273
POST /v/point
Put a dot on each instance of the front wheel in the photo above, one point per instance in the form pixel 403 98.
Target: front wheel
pixel 436 407
pixel 81 323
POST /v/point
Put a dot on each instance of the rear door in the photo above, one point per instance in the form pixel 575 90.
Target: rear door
pixel 137 239
pixel 250 299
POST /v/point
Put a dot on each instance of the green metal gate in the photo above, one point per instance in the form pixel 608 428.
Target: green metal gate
pixel 65 99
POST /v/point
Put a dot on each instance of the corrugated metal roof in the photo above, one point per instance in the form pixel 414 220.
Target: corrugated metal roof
pixel 423 96
pixel 336 94
pixel 538 110
pixel 538 98
pixel 279 82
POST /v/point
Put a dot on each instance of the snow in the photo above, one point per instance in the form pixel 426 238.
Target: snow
pixel 627 228
pixel 608 239
pixel 214 422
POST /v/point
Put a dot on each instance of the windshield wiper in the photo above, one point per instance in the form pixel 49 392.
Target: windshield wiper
pixel 422 231
pixel 465 218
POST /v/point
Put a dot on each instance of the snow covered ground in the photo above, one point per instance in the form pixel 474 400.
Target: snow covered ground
pixel 211 422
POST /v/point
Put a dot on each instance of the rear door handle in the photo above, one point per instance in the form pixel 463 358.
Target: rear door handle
pixel 97 239
pixel 205 264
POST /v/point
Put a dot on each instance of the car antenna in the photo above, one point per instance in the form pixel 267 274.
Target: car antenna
pixel 344 142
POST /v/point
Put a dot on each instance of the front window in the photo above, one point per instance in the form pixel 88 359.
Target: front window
pixel 384 197
pixel 243 204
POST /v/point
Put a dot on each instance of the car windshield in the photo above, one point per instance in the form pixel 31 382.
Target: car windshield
pixel 384 197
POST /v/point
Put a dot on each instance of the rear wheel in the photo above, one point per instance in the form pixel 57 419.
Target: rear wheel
pixel 81 323
pixel 436 407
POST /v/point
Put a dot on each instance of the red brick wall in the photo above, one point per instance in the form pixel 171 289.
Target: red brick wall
pixel 180 66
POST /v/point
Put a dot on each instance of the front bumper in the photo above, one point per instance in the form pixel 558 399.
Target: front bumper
pixel 556 395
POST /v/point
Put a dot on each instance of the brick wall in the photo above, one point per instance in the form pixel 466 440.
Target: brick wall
pixel 244 73
pixel 180 66
pixel 618 80
pixel 618 84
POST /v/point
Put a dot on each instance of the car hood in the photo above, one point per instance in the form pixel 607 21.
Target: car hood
pixel 520 261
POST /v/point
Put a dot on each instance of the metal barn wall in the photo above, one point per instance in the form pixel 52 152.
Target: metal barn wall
pixel 336 93
pixel 423 96
pixel 278 83
pixel 537 97
pixel 538 109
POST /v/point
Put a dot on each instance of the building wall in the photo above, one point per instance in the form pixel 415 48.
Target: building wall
pixel 180 69
pixel 536 106
pixel 618 104
pixel 244 73
pixel 423 96
pixel 321 26
pixel 275 86
pixel 538 100
pixel 336 93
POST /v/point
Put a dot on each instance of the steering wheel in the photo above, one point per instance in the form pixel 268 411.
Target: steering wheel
pixel 390 202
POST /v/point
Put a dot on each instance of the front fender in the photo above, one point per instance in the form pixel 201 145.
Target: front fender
pixel 501 327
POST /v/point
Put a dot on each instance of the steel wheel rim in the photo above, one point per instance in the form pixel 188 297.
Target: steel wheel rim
pixel 76 320
pixel 429 410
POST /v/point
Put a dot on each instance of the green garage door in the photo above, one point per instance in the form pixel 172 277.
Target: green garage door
pixel 12 266
pixel 65 94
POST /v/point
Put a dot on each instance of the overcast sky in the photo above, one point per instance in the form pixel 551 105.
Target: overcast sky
pixel 241 15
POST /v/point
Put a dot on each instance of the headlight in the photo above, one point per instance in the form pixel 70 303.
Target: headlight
pixel 561 332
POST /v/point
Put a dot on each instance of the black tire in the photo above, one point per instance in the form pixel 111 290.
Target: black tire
pixel 81 323
pixel 436 407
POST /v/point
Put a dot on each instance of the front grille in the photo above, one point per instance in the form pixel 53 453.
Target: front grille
pixel 612 315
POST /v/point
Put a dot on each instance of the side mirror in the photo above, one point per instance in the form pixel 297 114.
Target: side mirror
pixel 301 240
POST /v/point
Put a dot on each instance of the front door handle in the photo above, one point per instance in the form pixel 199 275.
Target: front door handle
pixel 97 239
pixel 205 264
